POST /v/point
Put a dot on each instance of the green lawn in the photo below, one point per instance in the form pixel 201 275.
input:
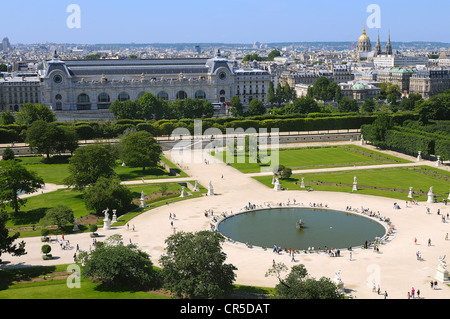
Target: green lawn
pixel 387 182
pixel 16 284
pixel 37 206
pixel 52 288
pixel 56 170
pixel 316 157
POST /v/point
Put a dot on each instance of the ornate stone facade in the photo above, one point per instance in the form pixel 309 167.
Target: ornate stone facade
pixel 95 84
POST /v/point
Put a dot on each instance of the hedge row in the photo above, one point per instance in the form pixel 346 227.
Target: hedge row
pixel 113 129
pixel 411 141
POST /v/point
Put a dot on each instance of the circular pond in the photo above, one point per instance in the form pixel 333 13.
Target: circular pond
pixel 322 228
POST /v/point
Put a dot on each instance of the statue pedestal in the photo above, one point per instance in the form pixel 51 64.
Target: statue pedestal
pixel 302 185
pixel 430 198
pixel 183 193
pixel 438 162
pixel 442 275
pixel 106 224
pixel 410 194
pixel 114 219
pixel 277 186
pixel 355 187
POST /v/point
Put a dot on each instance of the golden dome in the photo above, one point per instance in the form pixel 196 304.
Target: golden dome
pixel 364 37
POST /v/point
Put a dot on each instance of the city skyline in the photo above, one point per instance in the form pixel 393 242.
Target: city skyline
pixel 237 21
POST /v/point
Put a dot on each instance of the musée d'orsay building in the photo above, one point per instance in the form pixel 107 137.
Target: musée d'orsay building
pixel 95 84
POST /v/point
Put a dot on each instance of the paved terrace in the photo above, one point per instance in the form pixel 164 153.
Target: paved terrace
pixel 395 268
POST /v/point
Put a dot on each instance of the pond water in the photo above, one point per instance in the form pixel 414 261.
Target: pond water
pixel 322 228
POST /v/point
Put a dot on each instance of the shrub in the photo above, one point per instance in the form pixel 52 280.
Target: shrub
pixel 46 249
pixel 8 154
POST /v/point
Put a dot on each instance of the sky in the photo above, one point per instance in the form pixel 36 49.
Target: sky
pixel 225 21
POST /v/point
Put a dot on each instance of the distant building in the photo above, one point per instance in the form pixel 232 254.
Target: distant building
pixel 391 61
pixel 397 76
pixel 359 90
pixel 95 84
pixel 338 73
pixel 19 88
pixel 429 82
pixel 6 45
pixel 251 83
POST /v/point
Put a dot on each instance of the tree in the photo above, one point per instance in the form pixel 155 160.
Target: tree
pixel 46 249
pixel 7 240
pixel 49 138
pixel 140 149
pixel 15 178
pixel 435 108
pixel 105 193
pixel 283 172
pixel 347 105
pixel 194 266
pixel 7 118
pixel 60 216
pixel 368 106
pixel 306 105
pixel 410 102
pixel 273 54
pixel 279 94
pixel 299 285
pixel 271 98
pixel 119 266
pixel 256 107
pixel 126 110
pixel 29 113
pixel 8 154
pixel 89 163
pixel 380 127
pixel 151 107
pixel 237 109
pixel 252 57
pixel 288 93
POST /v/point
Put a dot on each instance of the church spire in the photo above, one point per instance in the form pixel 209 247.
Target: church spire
pixel 378 46
pixel 389 45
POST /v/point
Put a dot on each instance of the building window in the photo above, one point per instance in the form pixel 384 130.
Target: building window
pixel 124 96
pixel 163 95
pixel 140 95
pixel 104 101
pixel 181 95
pixel 83 102
pixel 200 95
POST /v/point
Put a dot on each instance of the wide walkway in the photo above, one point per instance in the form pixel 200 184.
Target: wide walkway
pixel 394 268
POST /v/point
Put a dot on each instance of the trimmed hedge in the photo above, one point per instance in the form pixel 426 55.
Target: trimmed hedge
pixel 289 123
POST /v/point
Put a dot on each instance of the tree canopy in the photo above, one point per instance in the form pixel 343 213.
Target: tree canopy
pixel 299 285
pixel 7 240
pixel 15 179
pixel 194 266
pixel 108 192
pixel 89 163
pixel 140 149
pixel 50 138
pixel 117 265
pixel 29 113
